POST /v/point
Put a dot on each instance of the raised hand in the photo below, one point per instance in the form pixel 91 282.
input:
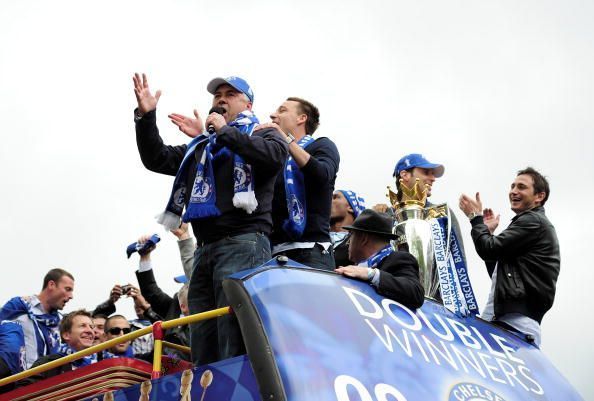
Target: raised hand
pixel 192 127
pixel 146 101
pixel 469 205
pixel 115 294
pixel 490 220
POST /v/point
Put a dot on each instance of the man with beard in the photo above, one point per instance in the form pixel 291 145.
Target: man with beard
pixel 523 260
pixel 225 182
pixel 303 193
pixel 346 206
pixel 38 319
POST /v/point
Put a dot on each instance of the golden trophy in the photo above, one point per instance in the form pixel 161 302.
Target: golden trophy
pixel 411 225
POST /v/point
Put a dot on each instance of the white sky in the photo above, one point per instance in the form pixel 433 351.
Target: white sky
pixel 484 87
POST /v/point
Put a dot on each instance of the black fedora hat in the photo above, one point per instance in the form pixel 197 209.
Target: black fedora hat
pixel 370 221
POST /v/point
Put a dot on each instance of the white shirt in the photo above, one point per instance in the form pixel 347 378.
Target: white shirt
pixel 518 321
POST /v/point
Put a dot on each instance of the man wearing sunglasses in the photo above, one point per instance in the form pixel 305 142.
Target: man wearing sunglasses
pixel 117 326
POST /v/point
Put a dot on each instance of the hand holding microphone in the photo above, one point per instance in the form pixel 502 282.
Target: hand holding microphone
pixel 215 120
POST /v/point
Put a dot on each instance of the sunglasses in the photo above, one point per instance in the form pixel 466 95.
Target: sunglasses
pixel 117 330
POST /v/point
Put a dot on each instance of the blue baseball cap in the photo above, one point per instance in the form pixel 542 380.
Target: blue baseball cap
pixel 181 279
pixel 236 82
pixel 413 160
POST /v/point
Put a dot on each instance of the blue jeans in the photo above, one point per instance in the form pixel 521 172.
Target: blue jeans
pixel 217 339
pixel 316 257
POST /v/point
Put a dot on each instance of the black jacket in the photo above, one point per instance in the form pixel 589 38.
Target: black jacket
pixel 165 306
pixel 161 303
pixel 319 175
pixel 264 150
pixel 399 279
pixel 528 262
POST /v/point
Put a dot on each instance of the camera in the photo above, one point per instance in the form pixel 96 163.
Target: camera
pixel 126 289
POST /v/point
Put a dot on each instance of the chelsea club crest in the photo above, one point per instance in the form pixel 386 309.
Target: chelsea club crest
pixel 241 178
pixel 179 197
pixel 297 212
pixel 202 190
pixel 472 392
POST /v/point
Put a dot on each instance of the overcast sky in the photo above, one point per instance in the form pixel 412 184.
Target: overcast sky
pixel 484 87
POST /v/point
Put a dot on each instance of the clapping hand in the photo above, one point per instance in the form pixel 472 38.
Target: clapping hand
pixel 490 220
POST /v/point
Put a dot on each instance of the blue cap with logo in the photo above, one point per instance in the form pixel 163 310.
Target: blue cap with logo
pixel 413 160
pixel 238 83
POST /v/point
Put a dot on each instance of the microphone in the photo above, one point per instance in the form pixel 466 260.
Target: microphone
pixel 218 110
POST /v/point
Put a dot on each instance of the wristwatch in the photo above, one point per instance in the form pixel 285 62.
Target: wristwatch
pixel 472 215
pixel 289 139
pixel 137 115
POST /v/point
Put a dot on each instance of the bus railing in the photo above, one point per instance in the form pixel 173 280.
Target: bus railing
pixel 156 329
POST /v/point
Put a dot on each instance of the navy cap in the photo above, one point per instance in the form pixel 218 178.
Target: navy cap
pixel 238 83
pixel 181 279
pixel 413 160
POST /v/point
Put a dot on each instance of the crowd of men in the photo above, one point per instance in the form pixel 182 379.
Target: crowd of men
pixel 252 190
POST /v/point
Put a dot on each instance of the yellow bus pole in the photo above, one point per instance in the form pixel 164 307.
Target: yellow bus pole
pixel 77 355
pixel 115 341
pixel 157 350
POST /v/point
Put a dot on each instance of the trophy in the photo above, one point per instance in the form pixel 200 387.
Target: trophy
pixel 413 229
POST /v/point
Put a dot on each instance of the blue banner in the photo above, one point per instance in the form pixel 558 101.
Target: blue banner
pixel 335 338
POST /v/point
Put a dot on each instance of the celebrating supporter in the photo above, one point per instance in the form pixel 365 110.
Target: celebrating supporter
pixel 225 182
pixel 117 326
pixel 346 206
pixel 37 317
pixel 408 170
pixel 393 274
pixel 99 328
pixel 523 260
pixel 144 313
pixel 303 193
pixel 76 331
pixel 414 166
pixel 163 304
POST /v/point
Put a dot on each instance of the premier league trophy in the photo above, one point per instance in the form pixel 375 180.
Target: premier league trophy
pixel 414 230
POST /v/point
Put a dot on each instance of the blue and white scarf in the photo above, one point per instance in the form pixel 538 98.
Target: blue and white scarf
pixel 65 349
pixel 454 282
pixel 356 203
pixel 46 325
pixel 142 248
pixel 377 258
pixel 129 353
pixel 203 197
pixel 295 191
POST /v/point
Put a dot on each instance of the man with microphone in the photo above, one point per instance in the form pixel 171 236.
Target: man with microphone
pixel 224 184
